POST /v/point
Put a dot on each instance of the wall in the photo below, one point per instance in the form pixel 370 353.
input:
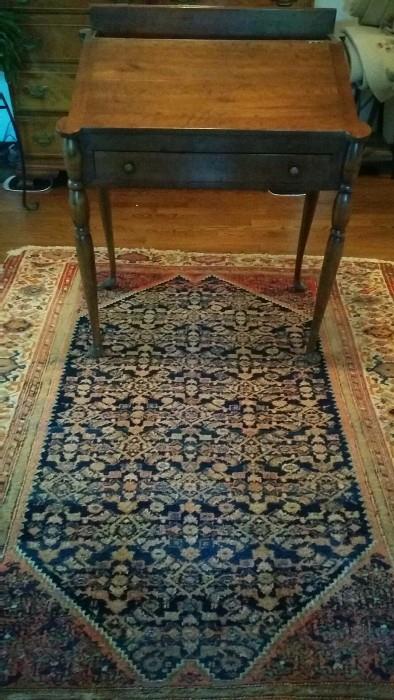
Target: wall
pixel 340 5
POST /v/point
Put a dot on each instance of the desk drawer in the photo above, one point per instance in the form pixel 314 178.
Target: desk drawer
pixel 287 173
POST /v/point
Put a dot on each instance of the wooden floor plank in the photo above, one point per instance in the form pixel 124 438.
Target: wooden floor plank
pixel 212 221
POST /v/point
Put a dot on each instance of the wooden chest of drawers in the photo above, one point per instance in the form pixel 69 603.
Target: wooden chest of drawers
pixel 55 30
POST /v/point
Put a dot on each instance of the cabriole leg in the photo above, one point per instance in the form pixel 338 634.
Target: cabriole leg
pixel 80 213
pixel 311 199
pixel 106 218
pixel 333 254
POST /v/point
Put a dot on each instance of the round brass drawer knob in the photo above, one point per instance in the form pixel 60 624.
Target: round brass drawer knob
pixel 294 170
pixel 129 168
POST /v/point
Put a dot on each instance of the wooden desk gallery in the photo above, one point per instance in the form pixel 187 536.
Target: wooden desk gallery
pixel 212 97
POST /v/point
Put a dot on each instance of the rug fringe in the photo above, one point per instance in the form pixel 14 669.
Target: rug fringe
pixel 245 256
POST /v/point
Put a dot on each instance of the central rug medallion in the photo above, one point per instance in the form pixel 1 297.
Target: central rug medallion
pixel 195 493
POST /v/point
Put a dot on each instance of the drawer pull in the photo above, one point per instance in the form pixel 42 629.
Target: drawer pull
pixel 129 168
pixel 294 170
pixel 38 91
pixel 43 138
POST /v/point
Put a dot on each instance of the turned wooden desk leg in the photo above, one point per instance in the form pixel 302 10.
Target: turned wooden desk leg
pixel 80 213
pixel 333 254
pixel 311 199
pixel 106 218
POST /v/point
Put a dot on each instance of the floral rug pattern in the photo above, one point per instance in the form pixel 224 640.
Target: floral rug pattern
pixel 205 510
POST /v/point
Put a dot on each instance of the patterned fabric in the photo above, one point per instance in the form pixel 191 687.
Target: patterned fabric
pixel 204 515
pixel 195 492
pixel 42 641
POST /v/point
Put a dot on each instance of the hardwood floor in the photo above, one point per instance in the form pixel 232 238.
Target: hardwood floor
pixel 214 221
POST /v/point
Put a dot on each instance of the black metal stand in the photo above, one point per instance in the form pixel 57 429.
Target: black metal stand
pixel 4 105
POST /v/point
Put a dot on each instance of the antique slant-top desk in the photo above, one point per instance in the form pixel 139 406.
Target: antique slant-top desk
pixel 203 97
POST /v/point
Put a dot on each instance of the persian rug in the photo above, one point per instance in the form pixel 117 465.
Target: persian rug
pixel 204 513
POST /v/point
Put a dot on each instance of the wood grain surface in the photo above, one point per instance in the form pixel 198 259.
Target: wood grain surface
pixel 213 84
pixel 210 221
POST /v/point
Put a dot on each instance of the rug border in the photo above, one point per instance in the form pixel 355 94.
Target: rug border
pixel 316 691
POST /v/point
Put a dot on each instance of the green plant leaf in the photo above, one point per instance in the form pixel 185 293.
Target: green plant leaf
pixel 13 44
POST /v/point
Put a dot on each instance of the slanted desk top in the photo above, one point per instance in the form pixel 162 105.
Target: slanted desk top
pixel 264 85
